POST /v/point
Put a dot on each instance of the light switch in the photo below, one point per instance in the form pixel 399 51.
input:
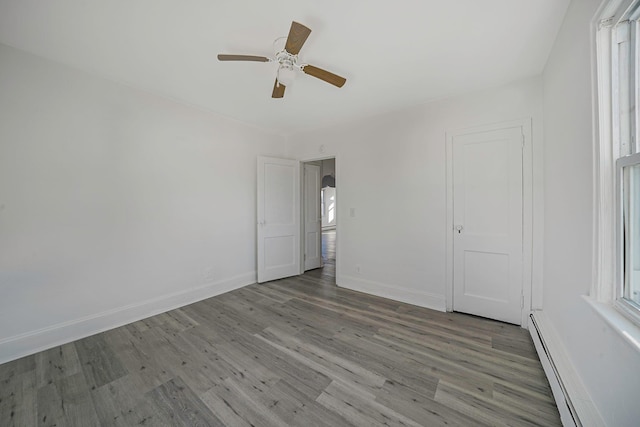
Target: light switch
pixel 352 212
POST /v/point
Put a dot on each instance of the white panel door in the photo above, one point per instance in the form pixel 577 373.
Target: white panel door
pixel 312 218
pixel 278 218
pixel 488 224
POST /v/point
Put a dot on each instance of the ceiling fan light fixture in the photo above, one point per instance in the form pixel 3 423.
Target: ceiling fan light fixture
pixel 286 74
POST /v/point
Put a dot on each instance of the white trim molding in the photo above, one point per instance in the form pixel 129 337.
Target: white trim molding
pixel 409 296
pixel 18 346
pixel 604 200
pixel 621 324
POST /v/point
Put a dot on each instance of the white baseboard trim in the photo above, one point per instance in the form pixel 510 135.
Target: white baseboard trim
pixel 409 296
pixel 18 346
pixel 574 404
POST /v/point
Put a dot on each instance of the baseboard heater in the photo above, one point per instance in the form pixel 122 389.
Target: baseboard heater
pixel 572 399
pixel 567 410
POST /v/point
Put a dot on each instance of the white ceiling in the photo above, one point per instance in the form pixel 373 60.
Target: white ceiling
pixel 393 53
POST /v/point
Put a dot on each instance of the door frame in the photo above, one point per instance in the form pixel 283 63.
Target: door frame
pixel 527 210
pixel 304 212
pixel 315 158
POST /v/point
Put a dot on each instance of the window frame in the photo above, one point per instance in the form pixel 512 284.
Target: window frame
pixel 630 308
pixel 612 146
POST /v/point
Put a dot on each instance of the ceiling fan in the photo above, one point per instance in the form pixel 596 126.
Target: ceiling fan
pixel 287 60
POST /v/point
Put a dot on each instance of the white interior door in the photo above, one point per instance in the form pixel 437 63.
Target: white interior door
pixel 278 218
pixel 312 218
pixel 488 224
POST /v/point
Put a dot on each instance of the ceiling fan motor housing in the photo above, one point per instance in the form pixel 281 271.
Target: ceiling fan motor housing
pixel 287 67
pixel 288 60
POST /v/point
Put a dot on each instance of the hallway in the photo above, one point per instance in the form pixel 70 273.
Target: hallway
pixel 328 269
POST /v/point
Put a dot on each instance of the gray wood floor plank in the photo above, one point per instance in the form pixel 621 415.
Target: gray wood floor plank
pixel 523 347
pixel 316 415
pixel 359 410
pixel 270 398
pixel 266 296
pixel 247 371
pixel 178 403
pixel 489 411
pixel 298 351
pixel 17 367
pixel 339 367
pixel 375 359
pixel 50 407
pixel 491 371
pixel 195 367
pixel 429 365
pixel 420 409
pixel 57 363
pixel 99 362
pixel 66 402
pixel 123 402
pixel 284 401
pixel 480 355
pixel 225 410
pixel 235 397
pixel 76 402
pixel 328 318
pixel 544 408
pixel 139 358
pixel 337 375
pixel 297 374
pixel 18 398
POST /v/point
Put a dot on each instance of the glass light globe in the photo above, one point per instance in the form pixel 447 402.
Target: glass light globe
pixel 286 75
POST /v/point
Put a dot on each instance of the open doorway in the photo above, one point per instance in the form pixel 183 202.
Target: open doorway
pixel 320 217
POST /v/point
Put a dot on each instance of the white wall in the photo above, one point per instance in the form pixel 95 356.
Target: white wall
pixel 608 366
pixel 391 170
pixel 329 167
pixel 114 203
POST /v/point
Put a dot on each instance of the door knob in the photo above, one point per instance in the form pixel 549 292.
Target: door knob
pixel 458 228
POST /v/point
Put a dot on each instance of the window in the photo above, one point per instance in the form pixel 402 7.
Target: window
pixel 628 173
pixel 617 278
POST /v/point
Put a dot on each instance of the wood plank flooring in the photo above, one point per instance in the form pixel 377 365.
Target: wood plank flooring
pixel 329 254
pixel 299 352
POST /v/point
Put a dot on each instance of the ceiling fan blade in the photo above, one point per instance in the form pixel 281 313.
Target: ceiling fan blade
pixel 223 57
pixel 278 90
pixel 297 36
pixel 324 75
